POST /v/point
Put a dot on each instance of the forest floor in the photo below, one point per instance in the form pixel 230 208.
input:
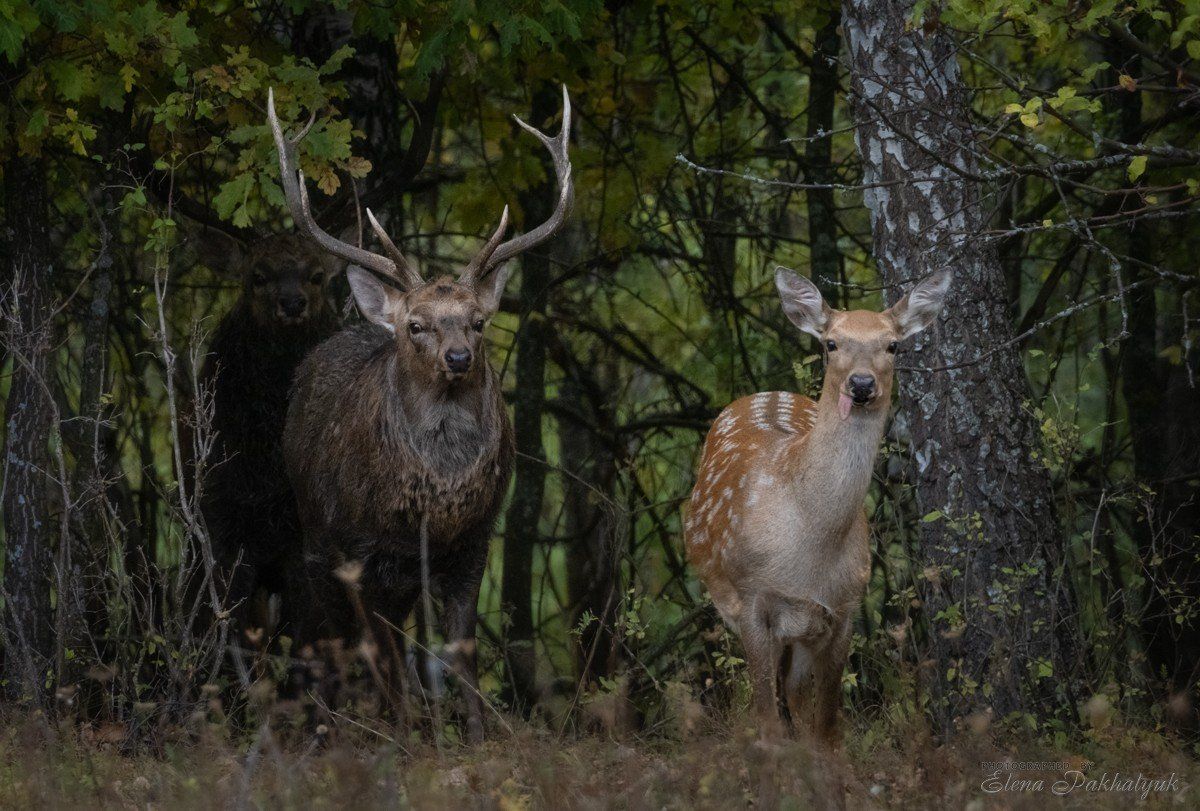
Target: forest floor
pixel 44 766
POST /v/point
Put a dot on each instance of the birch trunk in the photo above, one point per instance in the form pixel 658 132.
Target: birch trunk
pixel 998 608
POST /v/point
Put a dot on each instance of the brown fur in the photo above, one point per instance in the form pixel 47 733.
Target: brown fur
pixel 383 437
pixel 248 506
pixel 776 526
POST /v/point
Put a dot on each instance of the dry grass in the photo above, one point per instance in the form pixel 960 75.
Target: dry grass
pixel 717 765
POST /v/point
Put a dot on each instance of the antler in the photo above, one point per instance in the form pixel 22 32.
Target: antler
pixel 494 254
pixel 292 179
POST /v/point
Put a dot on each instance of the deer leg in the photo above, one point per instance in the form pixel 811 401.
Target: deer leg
pixel 324 617
pixel 459 616
pixel 762 659
pixel 391 654
pixel 797 682
pixel 827 674
pixel 460 600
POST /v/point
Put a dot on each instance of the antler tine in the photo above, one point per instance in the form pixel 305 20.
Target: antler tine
pixel 410 276
pixel 296 195
pixel 558 147
pixel 472 272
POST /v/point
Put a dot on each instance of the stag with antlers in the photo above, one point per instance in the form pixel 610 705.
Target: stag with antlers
pixel 397 440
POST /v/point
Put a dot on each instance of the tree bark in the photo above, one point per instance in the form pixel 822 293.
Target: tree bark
pixel 89 436
pixel 29 422
pixel 1000 618
pixel 1164 426
pixel 525 511
pixel 589 472
pixel 818 161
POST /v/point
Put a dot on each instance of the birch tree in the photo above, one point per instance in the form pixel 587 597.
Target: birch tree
pixel 999 618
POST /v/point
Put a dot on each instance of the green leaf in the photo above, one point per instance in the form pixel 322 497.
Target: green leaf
pixel 181 32
pixel 1137 167
pixel 38 121
pixel 1090 71
pixel 17 21
pixel 231 200
pixel 68 78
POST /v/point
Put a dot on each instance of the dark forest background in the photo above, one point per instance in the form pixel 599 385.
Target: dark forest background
pixel 1036 530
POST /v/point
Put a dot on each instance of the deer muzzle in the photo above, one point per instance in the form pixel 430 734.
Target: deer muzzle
pixel 458 361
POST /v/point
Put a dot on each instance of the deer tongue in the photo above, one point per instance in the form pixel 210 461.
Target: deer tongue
pixel 844 405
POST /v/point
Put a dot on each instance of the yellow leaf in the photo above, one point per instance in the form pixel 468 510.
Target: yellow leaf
pixel 327 180
pixel 358 166
pixel 1128 82
pixel 128 74
pixel 1172 354
pixel 1047 223
pixel 1030 120
pixel 1010 109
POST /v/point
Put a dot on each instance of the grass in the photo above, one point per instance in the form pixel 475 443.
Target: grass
pixel 714 764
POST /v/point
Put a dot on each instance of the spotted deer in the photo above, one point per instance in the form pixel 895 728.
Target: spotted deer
pixel 397 440
pixel 776 526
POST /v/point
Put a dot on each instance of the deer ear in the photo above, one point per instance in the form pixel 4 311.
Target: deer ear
pixel 220 251
pixel 802 302
pixel 490 288
pixel 377 302
pixel 920 307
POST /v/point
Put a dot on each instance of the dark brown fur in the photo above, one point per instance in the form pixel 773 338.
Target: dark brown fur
pixel 397 440
pixel 248 505
pixel 381 437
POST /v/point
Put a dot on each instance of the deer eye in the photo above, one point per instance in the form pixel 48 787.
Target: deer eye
pixel 415 329
pixel 892 348
pixel 478 325
pixel 259 279
pixel 831 346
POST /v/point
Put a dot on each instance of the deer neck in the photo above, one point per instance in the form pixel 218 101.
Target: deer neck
pixel 449 424
pixel 831 465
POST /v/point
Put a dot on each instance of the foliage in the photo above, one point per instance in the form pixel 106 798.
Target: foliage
pixel 149 120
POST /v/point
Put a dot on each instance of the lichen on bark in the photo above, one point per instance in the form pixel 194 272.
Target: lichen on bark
pixel 999 619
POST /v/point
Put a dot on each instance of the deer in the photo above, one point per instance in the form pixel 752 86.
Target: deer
pixel 397 440
pixel 776 525
pixel 284 310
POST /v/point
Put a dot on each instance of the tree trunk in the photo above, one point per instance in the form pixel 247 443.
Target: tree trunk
pixel 83 611
pixel 818 161
pixel 29 421
pixel 999 613
pixel 592 561
pixel 1164 431
pixel 524 513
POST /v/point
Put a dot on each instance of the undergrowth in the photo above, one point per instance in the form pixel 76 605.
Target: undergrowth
pixel 709 763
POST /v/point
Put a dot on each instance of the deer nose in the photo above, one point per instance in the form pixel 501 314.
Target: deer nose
pixel 458 360
pixel 862 387
pixel 292 306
